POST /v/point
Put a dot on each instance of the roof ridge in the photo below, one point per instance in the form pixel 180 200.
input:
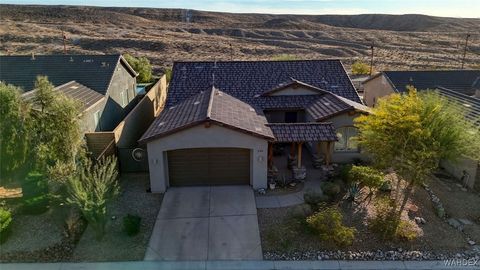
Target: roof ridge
pixel 210 103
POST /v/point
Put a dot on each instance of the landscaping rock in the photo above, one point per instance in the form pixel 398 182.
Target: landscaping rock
pixel 420 220
pixel 471 242
pixel 455 223
pixel 465 221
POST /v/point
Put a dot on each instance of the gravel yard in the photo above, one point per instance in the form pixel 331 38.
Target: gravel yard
pixel 116 245
pixel 285 234
pixel 32 233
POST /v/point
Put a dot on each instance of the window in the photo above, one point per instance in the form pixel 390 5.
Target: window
pixel 124 97
pixel 96 116
pixel 346 139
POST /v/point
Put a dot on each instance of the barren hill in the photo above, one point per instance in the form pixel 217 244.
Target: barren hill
pixel 166 35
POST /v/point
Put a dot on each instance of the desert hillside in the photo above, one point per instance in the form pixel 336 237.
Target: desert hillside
pixel 167 35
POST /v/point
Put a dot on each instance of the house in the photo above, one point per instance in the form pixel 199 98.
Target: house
pixel 222 119
pixel 103 84
pixel 388 82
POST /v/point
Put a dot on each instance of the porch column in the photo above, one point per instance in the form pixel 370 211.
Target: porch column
pixel 292 150
pixel 299 159
pixel 270 155
pixel 328 154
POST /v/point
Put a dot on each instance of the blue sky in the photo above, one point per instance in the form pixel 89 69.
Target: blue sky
pixel 449 8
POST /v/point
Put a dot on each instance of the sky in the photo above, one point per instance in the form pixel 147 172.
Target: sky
pixel 446 8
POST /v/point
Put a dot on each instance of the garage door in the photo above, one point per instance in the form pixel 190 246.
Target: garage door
pixel 209 166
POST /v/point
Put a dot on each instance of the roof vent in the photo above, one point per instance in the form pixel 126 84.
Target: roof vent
pixel 256 95
pixel 183 68
pixel 198 67
pixel 326 103
pixel 161 124
pixel 467 105
pixel 324 81
pixel 104 64
pixel 73 87
pixel 252 109
pixel 33 56
pixel 196 103
pixel 88 61
pixel 171 108
pixel 71 59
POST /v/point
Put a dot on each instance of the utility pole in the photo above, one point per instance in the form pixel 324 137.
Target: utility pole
pixel 465 50
pixel 371 58
pixel 64 42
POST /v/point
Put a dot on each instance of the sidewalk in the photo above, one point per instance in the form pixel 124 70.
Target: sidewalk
pixel 234 265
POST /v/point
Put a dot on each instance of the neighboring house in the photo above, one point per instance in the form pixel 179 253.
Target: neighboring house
pixel 103 84
pixel 389 82
pixel 221 120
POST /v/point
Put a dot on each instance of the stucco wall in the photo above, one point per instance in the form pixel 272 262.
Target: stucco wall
pixel 294 91
pixel 198 137
pixel 375 89
pixel 341 120
pixel 113 111
pixel 463 164
pixel 131 128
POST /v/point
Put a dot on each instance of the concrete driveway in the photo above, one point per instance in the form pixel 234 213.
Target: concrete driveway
pixel 206 223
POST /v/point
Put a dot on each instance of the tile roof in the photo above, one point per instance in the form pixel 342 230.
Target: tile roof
pixel 303 132
pixel 84 95
pixel 247 80
pixel 456 80
pixel 93 71
pixel 292 82
pixel 471 105
pixel 211 105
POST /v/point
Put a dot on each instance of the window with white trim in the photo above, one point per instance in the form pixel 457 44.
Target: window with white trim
pixel 346 140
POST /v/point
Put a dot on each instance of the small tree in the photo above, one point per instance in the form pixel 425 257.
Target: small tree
pixel 168 74
pixel 14 120
pixel 142 66
pixel 56 135
pixel 360 68
pixel 411 133
pixel 92 189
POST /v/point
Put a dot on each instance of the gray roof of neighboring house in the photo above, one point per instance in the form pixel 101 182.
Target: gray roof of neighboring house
pixel 471 105
pixel 92 71
pixel 84 95
pixel 248 80
pixel 329 105
pixel 210 105
pixel 461 81
pixel 303 132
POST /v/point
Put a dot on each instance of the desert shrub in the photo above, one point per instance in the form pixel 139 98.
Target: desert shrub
pixel 327 224
pixel 284 57
pixel 131 224
pixel 331 189
pixel 36 205
pixel 34 185
pixel 168 74
pixel 367 177
pixel 92 189
pixel 344 172
pixel 314 198
pixel 5 224
pixel 386 223
pixel 360 68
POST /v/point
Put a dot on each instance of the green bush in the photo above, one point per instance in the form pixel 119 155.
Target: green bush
pixel 344 172
pixel 131 224
pixel 5 222
pixel 360 68
pixel 36 205
pixel 331 189
pixel 387 225
pixel 314 198
pixel 327 224
pixel 367 177
pixel 34 185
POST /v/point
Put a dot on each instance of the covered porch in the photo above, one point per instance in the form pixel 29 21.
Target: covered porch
pixel 287 152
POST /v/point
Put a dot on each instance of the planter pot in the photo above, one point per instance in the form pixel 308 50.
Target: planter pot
pixel 272 186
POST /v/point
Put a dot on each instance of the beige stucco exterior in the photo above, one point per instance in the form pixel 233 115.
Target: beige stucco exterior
pixel 201 136
pixel 376 88
pixel 294 91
